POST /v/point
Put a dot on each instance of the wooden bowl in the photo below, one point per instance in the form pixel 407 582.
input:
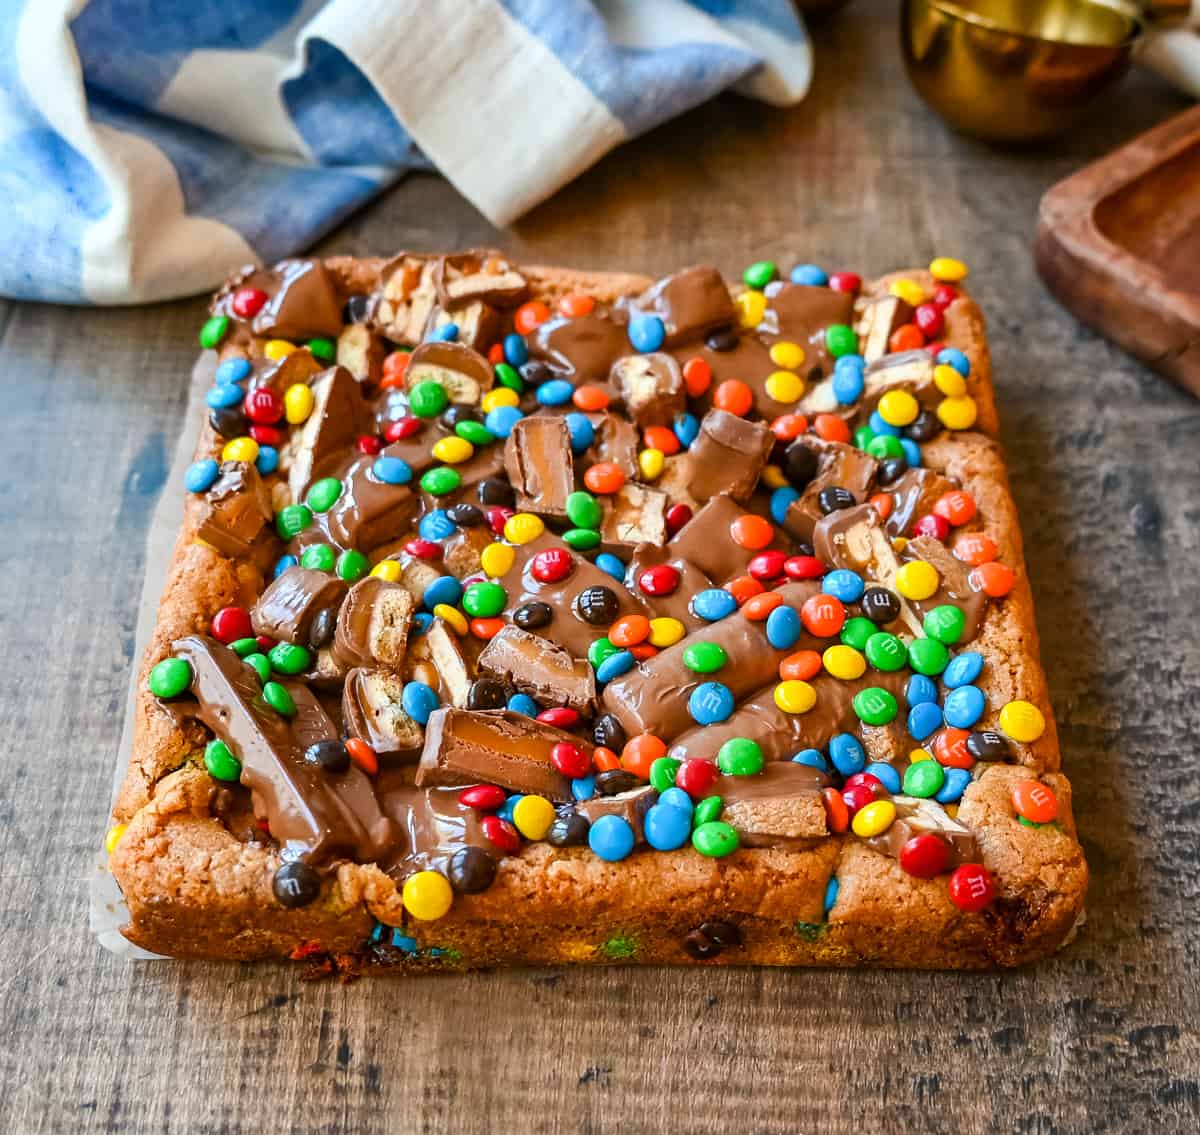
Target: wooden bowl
pixel 1015 70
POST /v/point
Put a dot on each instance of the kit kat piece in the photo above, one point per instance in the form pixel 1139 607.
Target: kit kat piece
pixel 778 807
pixel 540 668
pixel 464 746
pixel 537 458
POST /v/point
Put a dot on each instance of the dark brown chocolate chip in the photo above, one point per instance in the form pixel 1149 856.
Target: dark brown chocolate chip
pixel 492 491
pixel 296 884
pixel 465 515
pixel 487 693
pixel 535 373
pixel 891 469
pixel 609 733
pixel 532 616
pixel 456 414
pixel 834 498
pixel 723 933
pixel 616 780
pixel 803 549
pixel 881 605
pixel 597 606
pixel 723 339
pixel 701 946
pixel 228 421
pixel 570 830
pixel 471 870
pixel 357 308
pixel 330 755
pixel 925 427
pixel 988 745
pixel 799 464
pixel 324 625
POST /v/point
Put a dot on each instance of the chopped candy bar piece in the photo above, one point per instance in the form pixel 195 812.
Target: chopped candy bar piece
pixel 537 458
pixel 651 386
pixel 631 806
pixel 539 668
pixel 293 601
pixel 373 709
pixel 372 626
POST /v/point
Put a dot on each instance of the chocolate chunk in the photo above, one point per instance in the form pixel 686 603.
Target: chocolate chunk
pixel 634 515
pixel 801 313
pixel 651 386
pixel 288 608
pixel 326 816
pixel 296 884
pixel 569 830
pixel 373 625
pixel 369 513
pixel 332 428
pixel 914 495
pixel 630 805
pixel 705 541
pixel 537 458
pixel 372 710
pixel 778 807
pixel 728 455
pixel 463 373
pixel 614 781
pixel 279 375
pixel 539 668
pixel 689 303
pixel 234 512
pixel 304 303
pixel 464 747
pixel 879 318
pixel 471 870
pixel 481 275
pixel 617 441
pixel 582 349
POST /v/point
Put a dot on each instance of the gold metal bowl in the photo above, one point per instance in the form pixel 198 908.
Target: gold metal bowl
pixel 1015 70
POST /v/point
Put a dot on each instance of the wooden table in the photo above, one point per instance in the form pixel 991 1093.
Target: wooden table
pixel 1107 479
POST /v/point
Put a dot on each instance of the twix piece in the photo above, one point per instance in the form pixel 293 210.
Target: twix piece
pixel 537 459
pixel 540 668
pixel 500 747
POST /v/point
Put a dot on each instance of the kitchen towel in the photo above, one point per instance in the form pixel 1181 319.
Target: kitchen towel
pixel 149 147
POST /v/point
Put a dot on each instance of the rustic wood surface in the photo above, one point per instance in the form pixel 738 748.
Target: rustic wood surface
pixel 1107 473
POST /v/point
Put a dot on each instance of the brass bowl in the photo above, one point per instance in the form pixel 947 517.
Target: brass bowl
pixel 1015 70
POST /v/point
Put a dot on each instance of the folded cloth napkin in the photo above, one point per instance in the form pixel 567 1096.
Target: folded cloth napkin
pixel 148 147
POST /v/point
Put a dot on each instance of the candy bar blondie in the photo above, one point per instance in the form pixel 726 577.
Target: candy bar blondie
pixel 530 616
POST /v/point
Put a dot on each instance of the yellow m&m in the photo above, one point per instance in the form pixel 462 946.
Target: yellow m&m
pixel 874 819
pixel 497 559
pixel 388 570
pixel 784 386
pixel 786 355
pixel 844 662
pixel 665 631
pixel 651 463
pixel 427 895
pixel 947 270
pixel 278 349
pixel 751 307
pixel 453 617
pixel 113 838
pixel 899 408
pixel 532 816
pixel 795 696
pixel 957 413
pixel 297 403
pixel 453 450
pixel 949 381
pixel 909 291
pixel 522 527
pixel 916 580
pixel 1022 721
pixel 240 449
pixel 501 396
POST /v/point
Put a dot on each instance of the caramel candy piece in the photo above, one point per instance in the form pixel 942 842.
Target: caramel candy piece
pixel 372 710
pixel 778 807
pixel 287 608
pixel 481 275
pixel 500 747
pixel 631 806
pixel 728 455
pixel 304 305
pixel 689 303
pixel 651 386
pixel 300 366
pixel 463 373
pixel 322 814
pixel 635 515
pixel 540 668
pixel 361 351
pixel 235 510
pixel 537 459
pixel 332 427
pixel 372 627
pixel 879 318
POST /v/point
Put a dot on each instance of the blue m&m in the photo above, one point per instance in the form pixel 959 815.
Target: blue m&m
pixel 712 604
pixel 523 703
pixel 924 719
pixel 556 392
pixel 814 758
pixel 501 419
pixel 222 396
pixel 392 470
pixel 667 827
pixel 646 332
pixel 232 370
pixel 710 702
pixel 954 786
pixel 201 475
pixel 953 357
pixel 810 274
pixel 583 433
pixel 964 706
pixel 436 525
pixel 781 500
pixel 885 774
pixel 920 688
pixel 784 627
pixel 847 754
pixel 963 669
pixel 516 353
pixel 611 838
pixel 445 589
pixel 843 584
pixel 419 700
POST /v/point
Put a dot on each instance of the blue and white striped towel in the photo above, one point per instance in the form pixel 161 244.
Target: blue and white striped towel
pixel 147 147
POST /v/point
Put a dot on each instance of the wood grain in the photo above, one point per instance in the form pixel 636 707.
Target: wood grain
pixel 1104 460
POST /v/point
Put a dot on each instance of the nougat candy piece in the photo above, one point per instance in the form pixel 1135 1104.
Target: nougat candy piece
pixel 372 709
pixel 538 461
pixel 330 430
pixel 478 276
pixel 634 515
pixel 292 601
pixel 235 510
pixel 439 646
pixel 373 625
pixel 540 668
pixel 651 386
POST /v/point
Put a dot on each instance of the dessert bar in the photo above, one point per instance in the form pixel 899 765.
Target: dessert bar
pixel 530 616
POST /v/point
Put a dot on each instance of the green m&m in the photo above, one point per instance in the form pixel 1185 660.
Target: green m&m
pixel 508 376
pixel 885 651
pixel 857 632
pixel 352 565
pixel 277 697
pixel 441 480
pixel 484 600
pixel 170 678
pixel 924 778
pixel 288 658
pixel 707 811
pixel 704 657
pixel 292 520
pixel 261 664
pixel 740 756
pixel 581 539
pixel 715 839
pixel 759 274
pixel 945 623
pixel 428 399
pixel 318 557
pixel 840 340
pixel 324 494
pixel 583 510
pixel 662 773
pixel 875 705
pixel 220 762
pixel 323 349
pixel 214 331
pixel 928 656
pixel 474 432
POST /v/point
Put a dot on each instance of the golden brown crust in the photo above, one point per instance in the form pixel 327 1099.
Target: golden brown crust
pixel 194 890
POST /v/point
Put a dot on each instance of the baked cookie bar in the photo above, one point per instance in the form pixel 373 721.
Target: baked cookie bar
pixel 523 615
